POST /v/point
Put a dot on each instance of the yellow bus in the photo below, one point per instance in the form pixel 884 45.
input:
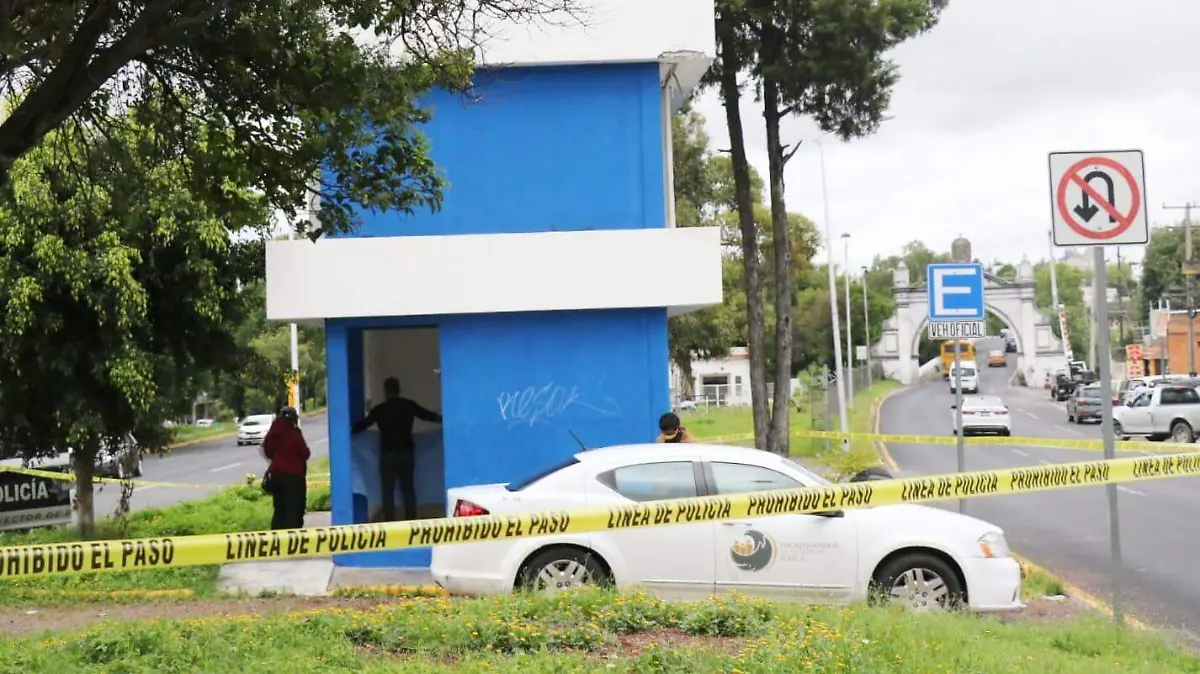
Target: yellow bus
pixel 966 353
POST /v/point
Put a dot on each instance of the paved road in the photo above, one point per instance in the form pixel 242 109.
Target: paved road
pixel 1066 531
pixel 219 462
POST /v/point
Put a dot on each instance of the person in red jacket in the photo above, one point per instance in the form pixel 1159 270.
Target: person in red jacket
pixel 285 447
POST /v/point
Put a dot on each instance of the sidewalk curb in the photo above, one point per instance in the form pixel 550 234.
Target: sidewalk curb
pixel 880 446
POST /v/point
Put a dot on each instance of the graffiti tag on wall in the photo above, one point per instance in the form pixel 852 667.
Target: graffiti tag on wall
pixel 535 405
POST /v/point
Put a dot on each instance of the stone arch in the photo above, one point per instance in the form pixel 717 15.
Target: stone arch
pixel 1038 350
pixel 992 308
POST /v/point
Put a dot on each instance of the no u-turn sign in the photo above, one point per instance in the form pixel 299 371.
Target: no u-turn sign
pixel 1098 198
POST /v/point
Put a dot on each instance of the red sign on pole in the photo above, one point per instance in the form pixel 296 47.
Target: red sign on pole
pixel 1098 198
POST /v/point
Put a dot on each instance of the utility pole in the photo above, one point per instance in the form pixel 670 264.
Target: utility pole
pixel 1058 308
pixel 849 330
pixel 867 328
pixel 1121 300
pixel 1189 273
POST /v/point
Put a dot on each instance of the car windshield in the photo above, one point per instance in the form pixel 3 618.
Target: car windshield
pixel 261 420
pixel 809 476
pixel 966 371
pixel 1089 392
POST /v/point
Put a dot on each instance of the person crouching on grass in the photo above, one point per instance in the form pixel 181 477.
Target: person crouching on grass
pixel 285 447
pixel 671 430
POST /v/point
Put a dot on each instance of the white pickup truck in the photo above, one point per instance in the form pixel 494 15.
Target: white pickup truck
pixel 1165 411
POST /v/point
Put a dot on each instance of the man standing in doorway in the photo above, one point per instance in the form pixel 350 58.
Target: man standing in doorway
pixel 397 449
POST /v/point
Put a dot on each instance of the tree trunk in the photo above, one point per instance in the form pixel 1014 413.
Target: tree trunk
pixel 686 387
pixel 756 322
pixel 778 440
pixel 85 503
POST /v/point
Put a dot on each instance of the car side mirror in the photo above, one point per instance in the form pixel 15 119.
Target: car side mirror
pixel 954 407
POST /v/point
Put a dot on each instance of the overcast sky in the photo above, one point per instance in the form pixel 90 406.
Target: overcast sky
pixel 982 99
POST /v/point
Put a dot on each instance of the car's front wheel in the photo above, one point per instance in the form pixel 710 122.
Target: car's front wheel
pixel 561 568
pixel 919 581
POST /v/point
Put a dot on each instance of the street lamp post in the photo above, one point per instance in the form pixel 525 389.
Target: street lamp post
pixel 867 328
pixel 833 308
pixel 849 328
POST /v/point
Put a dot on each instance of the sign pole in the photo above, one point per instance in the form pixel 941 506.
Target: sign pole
pixel 1106 431
pixel 958 403
pixel 1097 199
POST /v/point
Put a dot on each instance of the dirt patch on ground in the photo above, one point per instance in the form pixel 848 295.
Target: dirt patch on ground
pixel 1043 609
pixel 633 644
pixel 23 621
pixel 15 622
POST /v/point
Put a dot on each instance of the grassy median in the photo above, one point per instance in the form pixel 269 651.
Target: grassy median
pixel 241 508
pixel 736 425
pixel 599 632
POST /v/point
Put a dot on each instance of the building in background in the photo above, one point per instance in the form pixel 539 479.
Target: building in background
pixel 532 308
pixel 716 381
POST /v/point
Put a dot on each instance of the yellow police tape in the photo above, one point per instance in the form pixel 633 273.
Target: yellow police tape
pixel 56 475
pixel 170 551
pixel 1056 443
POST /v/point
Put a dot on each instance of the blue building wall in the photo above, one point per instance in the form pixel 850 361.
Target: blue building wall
pixel 514 388
pixel 544 149
pixel 541 149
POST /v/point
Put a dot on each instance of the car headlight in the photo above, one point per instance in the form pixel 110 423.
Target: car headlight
pixel 993 545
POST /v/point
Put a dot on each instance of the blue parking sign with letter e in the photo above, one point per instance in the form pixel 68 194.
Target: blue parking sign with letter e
pixel 955 292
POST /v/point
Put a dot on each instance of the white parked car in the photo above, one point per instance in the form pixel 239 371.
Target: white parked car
pixel 253 429
pixel 924 558
pixel 982 414
pixel 970 377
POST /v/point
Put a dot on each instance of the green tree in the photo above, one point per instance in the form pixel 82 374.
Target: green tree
pixel 1162 268
pixel 1007 272
pixel 1070 294
pixel 824 60
pixel 710 332
pixel 285 82
pixel 256 383
pixel 116 287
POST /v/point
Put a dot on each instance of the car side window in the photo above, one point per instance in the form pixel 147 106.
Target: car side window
pixel 1142 400
pixel 739 478
pixel 652 481
pixel 1174 396
pixel 1186 396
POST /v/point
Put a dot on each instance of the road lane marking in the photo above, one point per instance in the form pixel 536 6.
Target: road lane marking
pixel 153 486
pixel 1031 415
pixel 1127 490
pixel 1021 452
pixel 1044 462
pixel 221 468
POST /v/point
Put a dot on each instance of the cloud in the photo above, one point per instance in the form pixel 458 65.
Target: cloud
pixel 982 99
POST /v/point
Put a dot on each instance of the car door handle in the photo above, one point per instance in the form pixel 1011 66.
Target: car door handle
pixel 735 523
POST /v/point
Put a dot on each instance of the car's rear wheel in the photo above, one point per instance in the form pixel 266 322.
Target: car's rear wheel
pixel 919 581
pixel 1181 432
pixel 562 568
pixel 1117 432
